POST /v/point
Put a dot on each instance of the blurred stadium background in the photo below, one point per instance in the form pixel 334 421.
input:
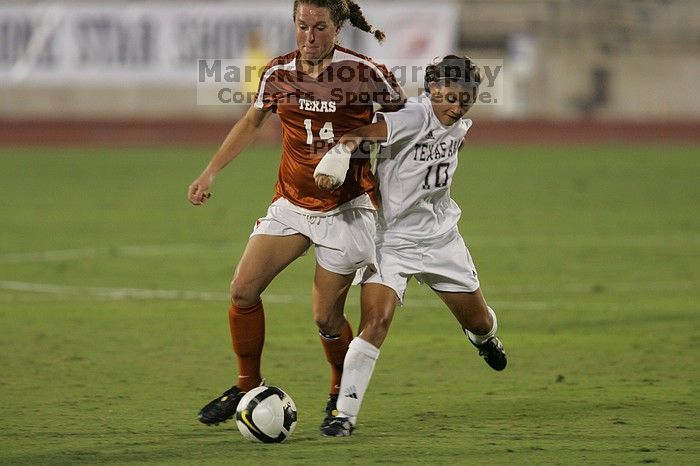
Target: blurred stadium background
pixel 89 71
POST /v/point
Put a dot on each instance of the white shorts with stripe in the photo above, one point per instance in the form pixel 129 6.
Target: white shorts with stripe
pixel 343 238
pixel 444 264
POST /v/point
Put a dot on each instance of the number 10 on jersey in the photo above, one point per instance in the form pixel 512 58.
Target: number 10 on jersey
pixel 441 176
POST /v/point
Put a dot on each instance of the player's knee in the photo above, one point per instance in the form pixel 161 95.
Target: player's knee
pixel 376 328
pixel 243 295
pixel 481 326
pixel 480 320
pixel 325 325
pixel 380 324
pixel 329 323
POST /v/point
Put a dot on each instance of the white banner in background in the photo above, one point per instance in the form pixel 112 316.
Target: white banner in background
pixel 126 44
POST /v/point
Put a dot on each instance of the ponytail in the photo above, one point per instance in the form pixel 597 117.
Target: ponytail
pixel 358 20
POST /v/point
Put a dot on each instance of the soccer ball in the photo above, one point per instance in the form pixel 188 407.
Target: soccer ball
pixel 267 415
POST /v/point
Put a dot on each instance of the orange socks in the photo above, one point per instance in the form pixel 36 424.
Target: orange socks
pixel 335 348
pixel 248 336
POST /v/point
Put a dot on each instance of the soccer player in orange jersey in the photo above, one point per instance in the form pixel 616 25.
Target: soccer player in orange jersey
pixel 319 91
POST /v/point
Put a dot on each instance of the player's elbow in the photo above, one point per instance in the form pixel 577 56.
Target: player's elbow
pixel 254 118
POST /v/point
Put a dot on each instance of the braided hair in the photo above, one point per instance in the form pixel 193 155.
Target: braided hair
pixel 454 69
pixel 342 10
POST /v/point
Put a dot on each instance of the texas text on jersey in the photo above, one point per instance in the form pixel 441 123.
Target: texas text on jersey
pixel 316 112
pixel 416 201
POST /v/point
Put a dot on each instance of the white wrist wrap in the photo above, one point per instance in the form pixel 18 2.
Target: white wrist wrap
pixel 335 164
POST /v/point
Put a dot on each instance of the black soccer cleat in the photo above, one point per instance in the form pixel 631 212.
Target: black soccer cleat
pixel 222 408
pixel 493 353
pixel 331 410
pixel 337 427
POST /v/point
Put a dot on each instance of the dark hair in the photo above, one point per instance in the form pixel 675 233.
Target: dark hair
pixel 342 10
pixel 452 68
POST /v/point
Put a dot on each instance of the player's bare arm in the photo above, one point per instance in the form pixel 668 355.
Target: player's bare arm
pixel 242 133
pixel 376 132
pixel 331 170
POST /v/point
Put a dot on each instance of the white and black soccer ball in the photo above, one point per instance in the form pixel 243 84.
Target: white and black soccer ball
pixel 267 415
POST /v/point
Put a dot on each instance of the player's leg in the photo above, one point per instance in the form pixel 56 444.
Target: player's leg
pixel 478 322
pixel 379 297
pixel 470 310
pixel 449 270
pixel 265 256
pixel 344 243
pixel 329 292
pixel 378 303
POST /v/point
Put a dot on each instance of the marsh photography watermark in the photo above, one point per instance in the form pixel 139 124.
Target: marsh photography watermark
pixel 236 82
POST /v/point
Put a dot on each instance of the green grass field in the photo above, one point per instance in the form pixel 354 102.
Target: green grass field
pixel 113 300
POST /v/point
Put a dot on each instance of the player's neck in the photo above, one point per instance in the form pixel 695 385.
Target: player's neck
pixel 315 67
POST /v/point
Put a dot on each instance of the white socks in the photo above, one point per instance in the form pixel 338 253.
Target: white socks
pixel 357 371
pixel 481 339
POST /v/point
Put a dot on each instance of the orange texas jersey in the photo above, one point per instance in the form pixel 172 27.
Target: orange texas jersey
pixel 315 113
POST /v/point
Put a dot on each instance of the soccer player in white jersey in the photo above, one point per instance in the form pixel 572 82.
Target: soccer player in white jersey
pixel 417 233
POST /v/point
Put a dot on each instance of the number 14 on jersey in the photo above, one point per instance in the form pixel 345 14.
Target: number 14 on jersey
pixel 325 134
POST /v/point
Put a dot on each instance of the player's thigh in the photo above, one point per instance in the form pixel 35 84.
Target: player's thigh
pixel 378 305
pixel 264 257
pixel 448 266
pixel 467 307
pixel 328 298
pixel 345 242
pixel 396 264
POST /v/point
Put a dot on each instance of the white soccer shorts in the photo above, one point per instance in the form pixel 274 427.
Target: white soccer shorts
pixel 443 264
pixel 344 241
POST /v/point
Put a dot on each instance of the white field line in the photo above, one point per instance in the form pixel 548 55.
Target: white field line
pixel 476 240
pixel 412 305
pixel 112 293
pixel 120 294
pixel 563 240
pixel 191 248
pixel 119 251
pixel 126 293
pixel 588 288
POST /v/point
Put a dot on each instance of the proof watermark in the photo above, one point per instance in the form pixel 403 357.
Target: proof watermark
pixel 241 82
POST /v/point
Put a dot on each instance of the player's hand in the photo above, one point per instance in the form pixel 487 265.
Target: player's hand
pixel 331 170
pixel 198 191
pixel 327 182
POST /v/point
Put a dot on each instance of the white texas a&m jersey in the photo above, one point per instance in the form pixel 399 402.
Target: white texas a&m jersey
pixel 415 168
